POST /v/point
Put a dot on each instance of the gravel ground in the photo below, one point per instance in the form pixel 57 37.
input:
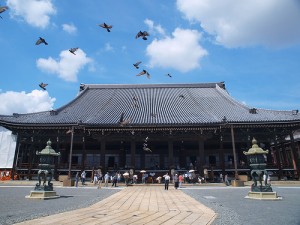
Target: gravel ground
pixel 233 209
pixel 14 207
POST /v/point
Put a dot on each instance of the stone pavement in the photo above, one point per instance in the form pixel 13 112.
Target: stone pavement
pixel 137 205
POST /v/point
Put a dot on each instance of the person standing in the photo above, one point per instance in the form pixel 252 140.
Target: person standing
pixel 76 179
pixel 114 180
pixel 95 178
pixel 83 176
pixel 176 181
pixel 106 178
pixel 167 181
pixel 180 180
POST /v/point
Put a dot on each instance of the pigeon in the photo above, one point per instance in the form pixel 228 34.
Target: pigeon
pixel 143 73
pixel 42 85
pixel 145 148
pixel 169 75
pixel 134 98
pixel 73 50
pixel 40 41
pixel 145 145
pixel 142 34
pixel 181 96
pixel 122 121
pixel 3 9
pixel 105 26
pixel 136 65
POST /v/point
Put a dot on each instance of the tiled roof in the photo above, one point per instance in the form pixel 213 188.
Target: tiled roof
pixel 153 104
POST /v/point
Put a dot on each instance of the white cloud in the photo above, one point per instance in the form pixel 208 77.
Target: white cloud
pixel 21 102
pixel 67 66
pixel 235 23
pixel 69 28
pixel 154 29
pixel 34 12
pixel 181 51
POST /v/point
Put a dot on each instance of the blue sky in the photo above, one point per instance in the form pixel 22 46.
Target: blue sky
pixel 254 46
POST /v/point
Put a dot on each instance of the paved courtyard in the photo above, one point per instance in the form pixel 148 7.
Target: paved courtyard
pixel 149 205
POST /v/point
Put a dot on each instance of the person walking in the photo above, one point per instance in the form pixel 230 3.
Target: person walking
pixel 83 176
pixel 76 179
pixel 167 181
pixel 106 179
pixel 114 180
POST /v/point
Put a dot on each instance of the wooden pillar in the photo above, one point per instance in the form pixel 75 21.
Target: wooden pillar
pixel 102 153
pixel 182 156
pixel 122 156
pixel 171 154
pixel 234 153
pixel 70 154
pixel 295 156
pixel 132 153
pixel 161 160
pixel 278 160
pixel 55 175
pixel 221 156
pixel 30 158
pixel 83 160
pixel 142 158
pixel 201 161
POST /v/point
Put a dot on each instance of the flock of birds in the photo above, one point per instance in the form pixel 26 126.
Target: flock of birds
pixel 141 34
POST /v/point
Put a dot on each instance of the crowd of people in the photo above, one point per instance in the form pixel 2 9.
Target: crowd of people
pixel 112 179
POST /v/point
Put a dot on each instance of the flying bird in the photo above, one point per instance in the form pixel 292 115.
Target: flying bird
pixel 143 73
pixel 3 9
pixel 43 86
pixel 40 41
pixel 145 145
pixel 142 34
pixel 105 26
pixel 122 121
pixel 169 75
pixel 73 50
pixel 136 65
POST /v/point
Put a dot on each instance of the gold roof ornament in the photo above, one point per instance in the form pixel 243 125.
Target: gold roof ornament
pixel 255 149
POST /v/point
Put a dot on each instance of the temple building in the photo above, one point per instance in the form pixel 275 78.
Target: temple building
pixel 155 127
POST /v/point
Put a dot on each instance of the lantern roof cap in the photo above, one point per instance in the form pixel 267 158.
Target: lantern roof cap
pixel 255 149
pixel 48 150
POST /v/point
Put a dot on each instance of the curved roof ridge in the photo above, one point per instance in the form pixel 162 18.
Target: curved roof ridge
pixel 157 85
pixel 226 94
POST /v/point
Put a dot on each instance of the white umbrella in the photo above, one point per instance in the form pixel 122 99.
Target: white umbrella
pixel 191 171
pixel 135 176
pixel 143 171
pixel 125 174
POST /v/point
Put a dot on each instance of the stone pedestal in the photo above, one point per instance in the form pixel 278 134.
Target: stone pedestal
pixel 42 195
pixel 263 195
pixel 237 183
